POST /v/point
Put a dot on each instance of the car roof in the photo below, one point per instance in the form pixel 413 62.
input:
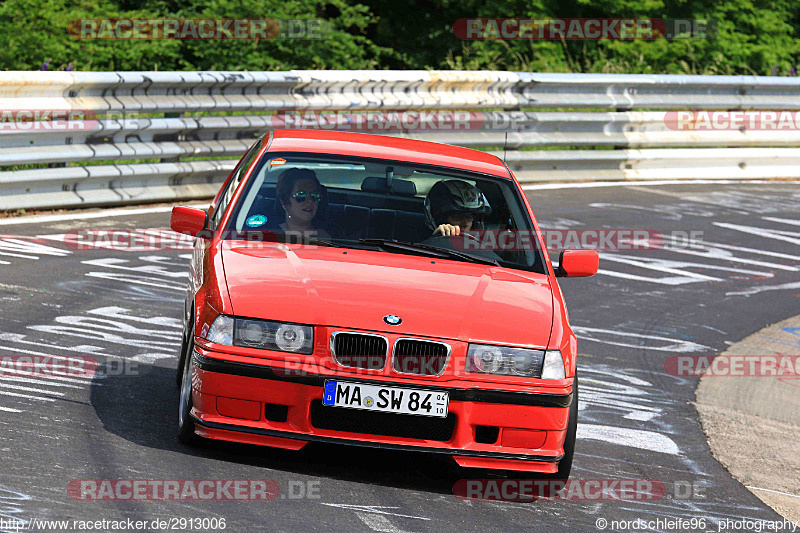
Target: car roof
pixel 386 147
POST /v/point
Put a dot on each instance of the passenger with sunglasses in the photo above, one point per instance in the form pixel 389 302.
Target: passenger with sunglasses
pixel 300 194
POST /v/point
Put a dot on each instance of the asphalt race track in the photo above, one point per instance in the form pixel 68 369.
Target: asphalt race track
pixel 636 421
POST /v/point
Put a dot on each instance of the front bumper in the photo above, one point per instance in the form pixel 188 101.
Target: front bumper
pixel 264 405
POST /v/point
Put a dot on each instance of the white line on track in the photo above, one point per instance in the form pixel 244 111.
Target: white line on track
pixel 29 352
pixel 545 186
pixel 783 220
pixel 374 509
pixel 42 382
pixel 30 389
pixel 707 251
pixel 665 344
pixel 762 288
pixel 132 280
pixel 20 339
pixel 761 232
pixel 38 219
pixel 80 380
pixel 775 491
pixel 9 409
pixel 9 254
pixel 28 396
pixel 748 250
pixel 635 438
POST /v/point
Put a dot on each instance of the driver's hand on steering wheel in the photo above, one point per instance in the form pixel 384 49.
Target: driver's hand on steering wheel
pixel 447 230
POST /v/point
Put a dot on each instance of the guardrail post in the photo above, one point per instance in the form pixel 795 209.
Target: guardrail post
pixel 180 136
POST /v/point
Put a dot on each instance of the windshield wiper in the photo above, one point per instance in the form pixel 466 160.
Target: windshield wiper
pixel 425 249
pixel 322 242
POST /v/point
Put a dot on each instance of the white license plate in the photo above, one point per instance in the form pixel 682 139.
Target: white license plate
pixel 385 399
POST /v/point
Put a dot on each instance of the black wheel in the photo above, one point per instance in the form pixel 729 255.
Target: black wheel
pixel 182 358
pixel 565 464
pixel 185 423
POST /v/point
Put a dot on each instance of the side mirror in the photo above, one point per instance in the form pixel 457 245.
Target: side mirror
pixel 188 220
pixel 577 263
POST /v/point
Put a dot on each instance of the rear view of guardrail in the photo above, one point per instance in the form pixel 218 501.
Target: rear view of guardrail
pixel 135 137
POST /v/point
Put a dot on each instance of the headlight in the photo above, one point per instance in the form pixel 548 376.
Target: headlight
pixel 291 338
pixel 221 331
pixel 553 367
pixel 263 334
pixel 486 359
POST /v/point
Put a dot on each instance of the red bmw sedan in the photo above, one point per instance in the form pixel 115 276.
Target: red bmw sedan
pixel 377 291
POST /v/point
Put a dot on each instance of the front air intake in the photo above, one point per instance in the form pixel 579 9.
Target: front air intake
pixel 359 350
pixel 422 357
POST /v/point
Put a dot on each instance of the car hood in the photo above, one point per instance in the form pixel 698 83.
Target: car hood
pixel 351 288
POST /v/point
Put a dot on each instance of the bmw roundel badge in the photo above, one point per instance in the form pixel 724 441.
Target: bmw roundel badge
pixel 393 320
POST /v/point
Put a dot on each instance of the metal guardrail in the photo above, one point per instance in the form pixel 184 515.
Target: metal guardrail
pixel 143 116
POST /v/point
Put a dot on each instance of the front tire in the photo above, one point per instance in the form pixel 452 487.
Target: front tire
pixel 186 433
pixel 181 358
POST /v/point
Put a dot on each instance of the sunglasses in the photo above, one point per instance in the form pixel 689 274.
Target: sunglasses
pixel 302 196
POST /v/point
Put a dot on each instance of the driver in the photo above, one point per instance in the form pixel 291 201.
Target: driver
pixel 453 206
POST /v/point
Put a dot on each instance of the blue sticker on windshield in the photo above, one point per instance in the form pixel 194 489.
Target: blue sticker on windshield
pixel 256 221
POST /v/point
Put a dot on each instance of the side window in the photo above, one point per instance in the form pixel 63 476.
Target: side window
pixel 225 199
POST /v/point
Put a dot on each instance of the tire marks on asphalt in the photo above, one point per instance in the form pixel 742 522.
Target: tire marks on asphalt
pixel 12 508
pixel 114 335
pixel 629 339
pixel 722 262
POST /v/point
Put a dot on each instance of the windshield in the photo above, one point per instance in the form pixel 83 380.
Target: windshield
pixel 377 204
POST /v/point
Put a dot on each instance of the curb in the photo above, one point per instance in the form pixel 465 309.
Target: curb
pixel 752 424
